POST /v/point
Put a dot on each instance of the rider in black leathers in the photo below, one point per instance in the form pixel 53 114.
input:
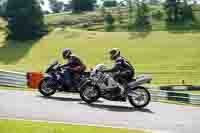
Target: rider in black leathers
pixel 123 71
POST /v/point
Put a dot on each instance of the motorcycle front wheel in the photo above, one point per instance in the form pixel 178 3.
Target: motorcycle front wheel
pixel 89 93
pixel 46 88
pixel 140 97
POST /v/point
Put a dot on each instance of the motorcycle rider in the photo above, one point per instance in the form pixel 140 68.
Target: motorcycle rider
pixel 73 67
pixel 122 69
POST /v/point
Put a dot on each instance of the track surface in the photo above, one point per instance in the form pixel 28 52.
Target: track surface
pixel 68 108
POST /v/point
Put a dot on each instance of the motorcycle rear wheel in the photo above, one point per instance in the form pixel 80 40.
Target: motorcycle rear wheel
pixel 142 99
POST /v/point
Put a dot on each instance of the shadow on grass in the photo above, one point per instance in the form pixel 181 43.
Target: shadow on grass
pixel 141 34
pixel 115 108
pixel 13 51
pixel 138 32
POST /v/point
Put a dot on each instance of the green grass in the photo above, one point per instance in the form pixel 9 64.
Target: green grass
pixel 178 103
pixel 69 17
pixel 169 57
pixel 15 88
pixel 12 126
pixel 190 92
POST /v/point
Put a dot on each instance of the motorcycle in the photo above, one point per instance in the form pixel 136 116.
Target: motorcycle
pixel 52 81
pixel 103 85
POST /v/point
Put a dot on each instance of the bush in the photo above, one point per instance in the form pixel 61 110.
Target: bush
pixel 142 20
pixel 157 15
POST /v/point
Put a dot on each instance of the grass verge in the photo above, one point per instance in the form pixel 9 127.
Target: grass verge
pixel 15 88
pixel 178 103
pixel 14 126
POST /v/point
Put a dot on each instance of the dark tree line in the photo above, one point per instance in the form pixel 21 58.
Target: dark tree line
pixel 177 10
pixel 82 5
pixel 56 6
pixel 77 6
pixel 25 19
pixel 110 3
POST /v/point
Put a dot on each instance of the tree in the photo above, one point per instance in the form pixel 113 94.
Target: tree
pixel 109 20
pixel 41 2
pixel 178 11
pixel 154 2
pixel 110 3
pixel 103 11
pixel 142 16
pixel 25 19
pixel 130 13
pixel 3 8
pixel 158 14
pixel 171 7
pixel 187 11
pixel 119 13
pixel 56 6
pixel 67 7
pixel 83 5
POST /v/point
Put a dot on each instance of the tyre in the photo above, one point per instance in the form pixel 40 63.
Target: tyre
pixel 46 87
pixel 140 97
pixel 89 93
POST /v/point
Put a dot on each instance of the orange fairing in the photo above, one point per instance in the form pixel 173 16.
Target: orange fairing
pixel 34 79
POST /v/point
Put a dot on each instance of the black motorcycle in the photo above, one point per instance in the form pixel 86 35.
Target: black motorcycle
pixel 53 81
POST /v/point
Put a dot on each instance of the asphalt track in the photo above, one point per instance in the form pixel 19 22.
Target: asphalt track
pixel 68 108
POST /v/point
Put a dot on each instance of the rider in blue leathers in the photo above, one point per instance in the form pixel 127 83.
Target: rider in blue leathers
pixel 73 67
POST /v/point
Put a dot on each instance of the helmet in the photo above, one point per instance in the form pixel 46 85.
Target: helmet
pixel 114 53
pixel 66 53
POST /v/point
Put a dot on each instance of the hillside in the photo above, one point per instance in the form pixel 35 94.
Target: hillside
pixel 169 56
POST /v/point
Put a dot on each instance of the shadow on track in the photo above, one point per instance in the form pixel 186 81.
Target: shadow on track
pixel 62 98
pixel 116 108
pixel 65 99
pixel 113 108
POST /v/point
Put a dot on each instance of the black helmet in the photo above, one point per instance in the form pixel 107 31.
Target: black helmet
pixel 66 53
pixel 114 53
